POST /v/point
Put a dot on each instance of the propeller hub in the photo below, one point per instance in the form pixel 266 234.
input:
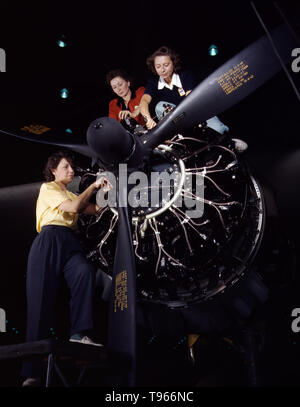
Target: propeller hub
pixel 110 141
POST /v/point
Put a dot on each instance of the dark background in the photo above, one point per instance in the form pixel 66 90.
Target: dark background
pixel 106 35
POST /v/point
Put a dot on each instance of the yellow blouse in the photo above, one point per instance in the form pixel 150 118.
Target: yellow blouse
pixel 47 212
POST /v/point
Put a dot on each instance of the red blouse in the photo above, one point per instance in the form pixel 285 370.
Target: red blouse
pixel 114 109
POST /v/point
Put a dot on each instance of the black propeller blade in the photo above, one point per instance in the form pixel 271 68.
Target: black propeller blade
pixel 113 145
pixel 122 310
pixel 225 87
pixel 81 148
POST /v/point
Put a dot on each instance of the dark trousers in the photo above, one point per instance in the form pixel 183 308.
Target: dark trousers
pixel 56 253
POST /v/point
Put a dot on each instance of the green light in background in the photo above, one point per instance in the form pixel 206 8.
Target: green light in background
pixel 61 42
pixel 64 93
pixel 213 50
pixel 68 131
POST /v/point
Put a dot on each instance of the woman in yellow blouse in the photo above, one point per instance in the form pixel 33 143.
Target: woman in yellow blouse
pixel 56 253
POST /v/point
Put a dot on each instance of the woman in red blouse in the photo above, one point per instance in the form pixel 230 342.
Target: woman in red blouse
pixel 127 104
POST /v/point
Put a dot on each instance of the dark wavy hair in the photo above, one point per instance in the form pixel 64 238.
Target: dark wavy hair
pixel 164 51
pixel 118 72
pixel 53 162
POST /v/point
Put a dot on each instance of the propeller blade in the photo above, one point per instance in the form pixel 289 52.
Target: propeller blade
pixel 122 307
pixel 226 86
pixel 80 148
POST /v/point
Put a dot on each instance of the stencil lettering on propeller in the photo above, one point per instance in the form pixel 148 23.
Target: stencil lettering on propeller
pixel 121 291
pixel 35 128
pixel 234 78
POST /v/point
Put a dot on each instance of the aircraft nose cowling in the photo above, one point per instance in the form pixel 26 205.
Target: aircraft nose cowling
pixel 109 140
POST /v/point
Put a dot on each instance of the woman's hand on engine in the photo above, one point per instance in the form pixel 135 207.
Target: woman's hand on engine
pixel 123 114
pixel 104 184
pixel 150 123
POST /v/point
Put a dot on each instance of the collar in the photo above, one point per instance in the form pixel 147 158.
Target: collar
pixel 175 81
pixel 121 103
